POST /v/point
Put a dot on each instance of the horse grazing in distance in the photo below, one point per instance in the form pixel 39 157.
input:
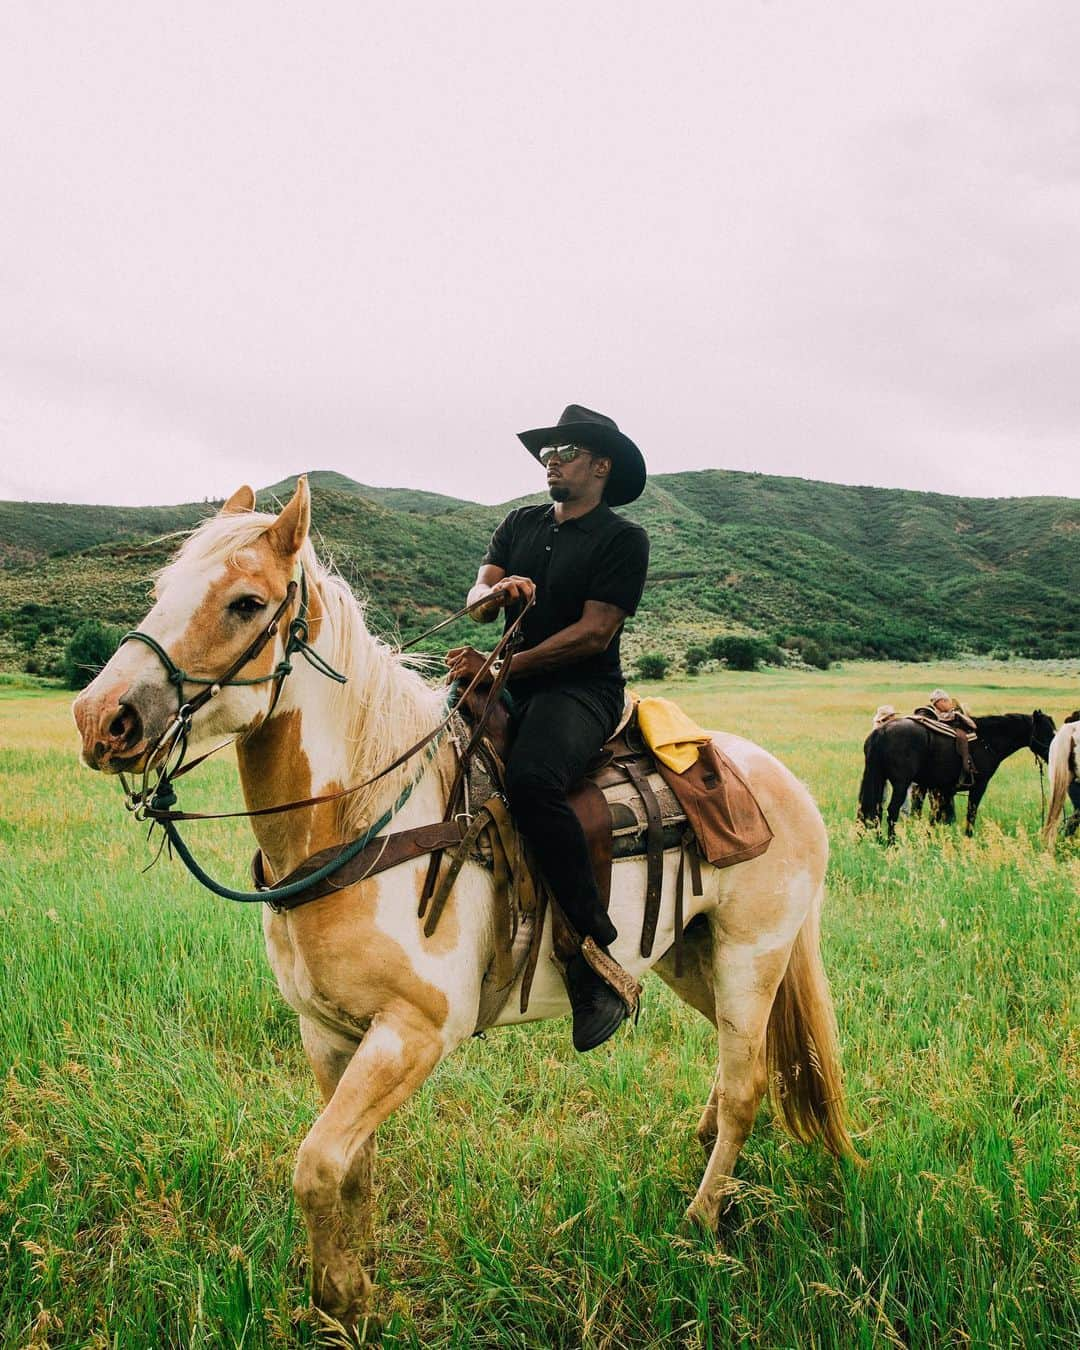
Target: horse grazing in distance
pixel 904 753
pixel 1064 778
pixel 380 1000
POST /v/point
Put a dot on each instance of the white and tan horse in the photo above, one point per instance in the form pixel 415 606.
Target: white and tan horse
pixel 380 1004
pixel 1064 771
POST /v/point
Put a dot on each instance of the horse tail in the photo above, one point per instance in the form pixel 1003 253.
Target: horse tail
pixel 805 1082
pixel 1060 773
pixel 872 787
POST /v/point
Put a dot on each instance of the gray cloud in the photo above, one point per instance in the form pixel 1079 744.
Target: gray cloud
pixel 837 240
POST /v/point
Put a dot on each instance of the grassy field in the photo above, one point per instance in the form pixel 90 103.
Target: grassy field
pixel 155 1092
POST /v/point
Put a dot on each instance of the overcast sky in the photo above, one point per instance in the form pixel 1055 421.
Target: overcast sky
pixel 832 238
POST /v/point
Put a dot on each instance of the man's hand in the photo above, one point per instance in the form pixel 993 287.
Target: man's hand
pixel 510 590
pixel 506 591
pixel 465 662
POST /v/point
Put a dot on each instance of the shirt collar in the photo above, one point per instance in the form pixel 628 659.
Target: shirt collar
pixel 588 523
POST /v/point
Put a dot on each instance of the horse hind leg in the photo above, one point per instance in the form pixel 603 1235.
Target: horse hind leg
pixel 896 800
pixel 745 980
pixel 695 987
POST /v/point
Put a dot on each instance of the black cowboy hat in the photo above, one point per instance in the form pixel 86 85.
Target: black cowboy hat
pixel 594 431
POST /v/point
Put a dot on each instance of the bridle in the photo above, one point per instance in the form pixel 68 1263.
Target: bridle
pixel 174 739
pixel 157 803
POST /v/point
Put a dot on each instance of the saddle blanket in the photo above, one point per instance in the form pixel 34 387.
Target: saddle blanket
pixel 927 719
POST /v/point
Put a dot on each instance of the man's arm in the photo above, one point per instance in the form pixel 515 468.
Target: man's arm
pixel 591 634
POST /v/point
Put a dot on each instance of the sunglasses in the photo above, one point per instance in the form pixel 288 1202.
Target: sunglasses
pixel 561 454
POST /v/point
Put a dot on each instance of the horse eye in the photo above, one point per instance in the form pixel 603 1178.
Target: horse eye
pixel 247 605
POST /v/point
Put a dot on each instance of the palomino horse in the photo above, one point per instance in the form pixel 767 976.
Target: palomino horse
pixel 381 1004
pixel 1064 778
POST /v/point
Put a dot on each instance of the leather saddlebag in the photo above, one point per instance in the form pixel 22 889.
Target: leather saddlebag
pixel 720 808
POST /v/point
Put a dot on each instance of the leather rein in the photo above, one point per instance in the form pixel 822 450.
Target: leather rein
pixel 156 803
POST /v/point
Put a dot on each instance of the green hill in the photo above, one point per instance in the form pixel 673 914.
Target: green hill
pixel 398 499
pixel 861 571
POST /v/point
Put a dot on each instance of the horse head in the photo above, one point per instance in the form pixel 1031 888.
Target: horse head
pixel 213 602
pixel 1042 733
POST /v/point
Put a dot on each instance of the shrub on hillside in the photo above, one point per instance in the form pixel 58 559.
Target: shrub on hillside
pixel 652 665
pixel 91 645
pixel 694 659
pixel 809 651
pixel 745 653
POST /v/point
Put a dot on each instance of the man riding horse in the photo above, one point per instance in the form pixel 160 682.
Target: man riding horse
pixel 585 567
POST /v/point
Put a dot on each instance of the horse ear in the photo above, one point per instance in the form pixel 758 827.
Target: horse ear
pixel 242 501
pixel 289 531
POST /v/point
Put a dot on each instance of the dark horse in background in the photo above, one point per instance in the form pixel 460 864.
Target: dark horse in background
pixel 904 753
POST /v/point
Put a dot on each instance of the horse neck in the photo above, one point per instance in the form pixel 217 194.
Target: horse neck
pixel 324 737
pixel 1006 733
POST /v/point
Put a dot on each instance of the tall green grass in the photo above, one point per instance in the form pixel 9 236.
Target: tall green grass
pixel 154 1094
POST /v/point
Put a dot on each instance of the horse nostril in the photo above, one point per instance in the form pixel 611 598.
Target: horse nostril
pixel 126 727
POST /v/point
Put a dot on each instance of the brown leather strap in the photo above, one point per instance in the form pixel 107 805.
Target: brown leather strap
pixel 688 850
pixel 654 847
pixel 388 850
pixel 533 956
pixel 679 913
pixel 479 823
pixel 520 872
pixel 503 924
pixel 565 939
pixel 509 641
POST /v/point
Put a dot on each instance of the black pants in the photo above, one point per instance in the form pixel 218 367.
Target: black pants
pixel 556 732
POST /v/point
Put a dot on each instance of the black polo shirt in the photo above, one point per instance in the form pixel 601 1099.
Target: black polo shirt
pixel 599 556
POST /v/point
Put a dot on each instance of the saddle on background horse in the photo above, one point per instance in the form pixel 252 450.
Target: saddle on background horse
pixel 929 718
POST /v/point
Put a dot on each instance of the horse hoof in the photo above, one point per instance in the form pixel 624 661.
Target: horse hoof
pixel 700 1220
pixel 351 1327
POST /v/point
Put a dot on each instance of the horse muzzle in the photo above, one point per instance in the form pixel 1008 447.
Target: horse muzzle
pixel 120 725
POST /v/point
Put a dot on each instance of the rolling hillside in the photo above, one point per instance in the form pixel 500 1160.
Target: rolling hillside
pixel 862 571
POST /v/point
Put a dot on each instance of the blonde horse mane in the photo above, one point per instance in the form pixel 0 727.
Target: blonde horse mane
pixel 384 706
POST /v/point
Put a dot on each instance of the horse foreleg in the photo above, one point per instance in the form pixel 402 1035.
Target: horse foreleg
pixel 746 981
pixel 333 1177
pixel 975 796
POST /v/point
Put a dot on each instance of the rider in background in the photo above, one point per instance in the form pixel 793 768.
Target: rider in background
pixel 948 710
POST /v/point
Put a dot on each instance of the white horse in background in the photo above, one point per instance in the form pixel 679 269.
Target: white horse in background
pixel 1064 772
pixel 381 1003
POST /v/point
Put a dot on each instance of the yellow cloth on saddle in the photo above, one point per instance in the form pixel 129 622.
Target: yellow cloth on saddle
pixel 669 733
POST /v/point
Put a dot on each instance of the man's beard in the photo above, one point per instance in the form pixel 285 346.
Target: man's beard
pixel 558 492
